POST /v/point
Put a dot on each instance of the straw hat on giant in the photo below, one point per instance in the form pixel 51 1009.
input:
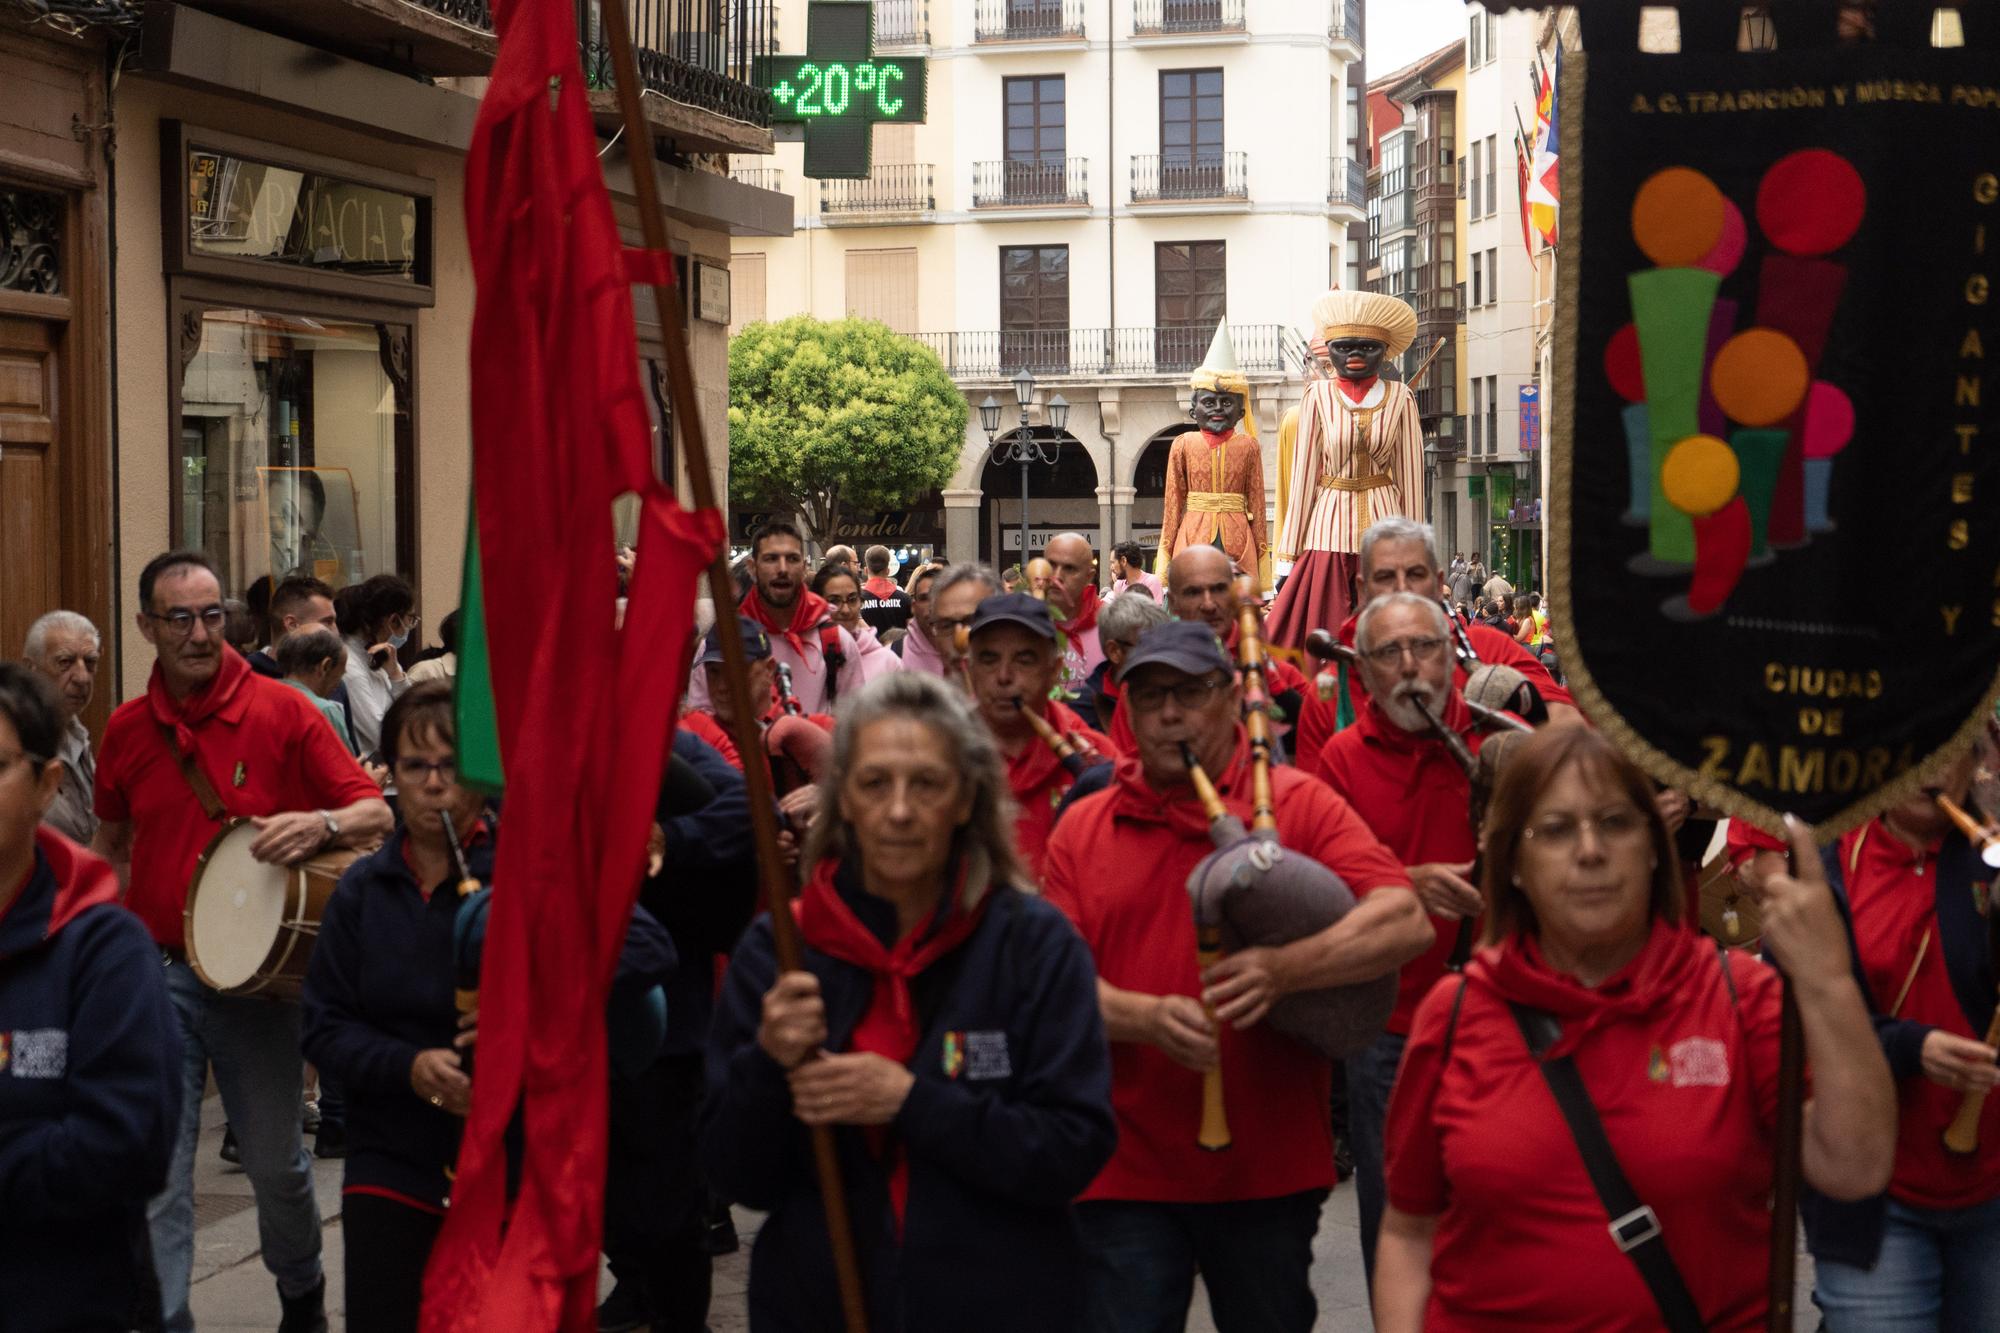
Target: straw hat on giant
pixel 1345 314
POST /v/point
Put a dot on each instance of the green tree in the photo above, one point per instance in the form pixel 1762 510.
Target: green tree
pixel 828 414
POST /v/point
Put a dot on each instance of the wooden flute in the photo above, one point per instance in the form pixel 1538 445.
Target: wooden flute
pixel 1214 1133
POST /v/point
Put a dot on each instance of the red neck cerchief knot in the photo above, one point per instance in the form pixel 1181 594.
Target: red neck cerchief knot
pixel 184 715
pixel 1217 441
pixel 1085 618
pixel 1356 390
pixel 808 610
pixel 1178 807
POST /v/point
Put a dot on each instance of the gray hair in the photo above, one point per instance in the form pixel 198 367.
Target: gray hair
pixel 964 573
pixel 1364 640
pixel 1396 528
pixel 62 622
pixel 985 845
pixel 1127 617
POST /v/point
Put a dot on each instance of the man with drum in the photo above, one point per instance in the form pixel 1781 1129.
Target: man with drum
pixel 1118 866
pixel 211 734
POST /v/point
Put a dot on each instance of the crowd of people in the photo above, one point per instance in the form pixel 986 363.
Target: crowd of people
pixel 995 791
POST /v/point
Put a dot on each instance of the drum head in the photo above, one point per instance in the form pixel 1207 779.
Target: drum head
pixel 236 909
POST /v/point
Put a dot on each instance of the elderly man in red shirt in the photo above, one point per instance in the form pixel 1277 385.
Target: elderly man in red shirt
pixel 1012 667
pixel 1400 555
pixel 1201 585
pixel 1117 865
pixel 264 753
pixel 1398 775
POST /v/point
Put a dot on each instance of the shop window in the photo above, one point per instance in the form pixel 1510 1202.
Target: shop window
pixel 294 452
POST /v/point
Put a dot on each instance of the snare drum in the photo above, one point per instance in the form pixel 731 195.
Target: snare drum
pixel 249 926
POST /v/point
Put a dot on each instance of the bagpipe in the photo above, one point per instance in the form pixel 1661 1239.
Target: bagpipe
pixel 1961 1136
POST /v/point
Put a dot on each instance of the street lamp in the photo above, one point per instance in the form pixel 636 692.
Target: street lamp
pixel 1020 445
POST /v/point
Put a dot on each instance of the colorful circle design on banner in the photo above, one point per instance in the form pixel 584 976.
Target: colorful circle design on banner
pixel 1677 217
pixel 1623 367
pixel 1700 475
pixel 1759 377
pixel 1829 420
pixel 1728 251
pixel 1811 202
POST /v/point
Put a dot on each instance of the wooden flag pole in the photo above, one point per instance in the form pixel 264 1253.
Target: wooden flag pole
pixel 722 589
pixel 1785 1181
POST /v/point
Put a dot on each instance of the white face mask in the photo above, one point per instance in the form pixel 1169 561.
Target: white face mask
pixel 398 640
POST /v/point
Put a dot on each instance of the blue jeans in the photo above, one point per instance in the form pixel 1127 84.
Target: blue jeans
pixel 1370 1076
pixel 1939 1270
pixel 254 1046
pixel 1254 1256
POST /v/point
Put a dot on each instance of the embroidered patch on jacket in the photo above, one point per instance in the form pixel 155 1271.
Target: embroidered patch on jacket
pixel 986 1055
pixel 1700 1062
pixel 40 1052
pixel 6 1045
pixel 954 1053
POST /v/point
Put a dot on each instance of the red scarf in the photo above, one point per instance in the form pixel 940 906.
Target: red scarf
pixel 889 1027
pixel 1032 770
pixel 1085 618
pixel 1356 390
pixel 1178 807
pixel 880 586
pixel 183 716
pixel 1215 441
pixel 808 610
pixel 704 725
pixel 1516 970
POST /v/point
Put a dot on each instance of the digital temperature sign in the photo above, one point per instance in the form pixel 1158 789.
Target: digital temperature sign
pixel 883 88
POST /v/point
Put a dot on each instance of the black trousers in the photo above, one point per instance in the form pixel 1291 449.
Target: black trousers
pixel 655 1200
pixel 388 1243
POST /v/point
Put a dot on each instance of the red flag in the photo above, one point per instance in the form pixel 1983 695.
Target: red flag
pixel 584 711
pixel 1521 171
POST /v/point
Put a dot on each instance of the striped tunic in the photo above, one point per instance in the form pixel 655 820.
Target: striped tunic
pixel 1342 443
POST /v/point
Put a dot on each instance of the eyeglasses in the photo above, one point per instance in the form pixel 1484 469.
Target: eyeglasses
pixel 852 599
pixel 1189 694
pixel 415 772
pixel 180 623
pixel 1424 650
pixel 1560 834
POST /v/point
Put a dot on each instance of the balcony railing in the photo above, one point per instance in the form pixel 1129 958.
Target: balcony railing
pixel 699 52
pixel 1158 179
pixel 1031 184
pixel 1027 20
pixel 1343 21
pixel 1152 18
pixel 904 187
pixel 473 13
pixel 1347 183
pixel 764 178
pixel 1122 353
pixel 902 23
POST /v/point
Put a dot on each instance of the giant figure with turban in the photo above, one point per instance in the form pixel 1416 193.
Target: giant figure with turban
pixel 1215 473
pixel 1359 458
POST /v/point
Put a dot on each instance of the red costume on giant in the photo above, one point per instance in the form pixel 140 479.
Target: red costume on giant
pixel 1117 866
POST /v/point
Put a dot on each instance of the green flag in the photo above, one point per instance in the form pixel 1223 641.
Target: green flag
pixel 478 726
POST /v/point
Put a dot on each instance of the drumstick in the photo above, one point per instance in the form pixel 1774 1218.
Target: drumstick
pixel 1961 1136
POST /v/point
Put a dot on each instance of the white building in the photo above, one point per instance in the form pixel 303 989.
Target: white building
pixel 1098 182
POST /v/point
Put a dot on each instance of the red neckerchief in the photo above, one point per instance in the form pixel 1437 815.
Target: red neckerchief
pixel 1356 390
pixel 1516 970
pixel 703 725
pixel 889 1028
pixel 474 834
pixel 201 704
pixel 1036 766
pixel 1179 809
pixel 1085 618
pixel 1215 441
pixel 808 609
pixel 83 880
pixel 880 586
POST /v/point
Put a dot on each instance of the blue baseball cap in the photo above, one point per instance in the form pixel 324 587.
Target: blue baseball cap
pixel 1184 645
pixel 756 643
pixel 1014 608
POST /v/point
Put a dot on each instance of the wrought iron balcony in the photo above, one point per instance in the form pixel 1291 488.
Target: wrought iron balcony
pixel 699 53
pixel 1027 20
pixel 1170 179
pixel 763 178
pixel 890 188
pixel 1103 353
pixel 1012 184
pixel 1156 18
pixel 902 23
pixel 1347 183
pixel 1343 21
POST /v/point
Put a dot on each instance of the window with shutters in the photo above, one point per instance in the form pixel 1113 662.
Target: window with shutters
pixel 1034 308
pixel 746 291
pixel 1191 116
pixel 882 284
pixel 1190 293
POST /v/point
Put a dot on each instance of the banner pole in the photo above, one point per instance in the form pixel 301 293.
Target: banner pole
pixel 722 590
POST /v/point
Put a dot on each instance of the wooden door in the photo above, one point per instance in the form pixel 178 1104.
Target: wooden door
pixel 30 468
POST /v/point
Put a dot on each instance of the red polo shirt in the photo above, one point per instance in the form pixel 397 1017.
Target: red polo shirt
pixel 1413 796
pixel 261 744
pixel 1892 891
pixel 1038 780
pixel 1117 866
pixel 1686 1085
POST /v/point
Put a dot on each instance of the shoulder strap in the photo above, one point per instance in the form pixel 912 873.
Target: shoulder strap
pixel 204 790
pixel 1635 1228
pixel 1451 1024
pixel 1728 977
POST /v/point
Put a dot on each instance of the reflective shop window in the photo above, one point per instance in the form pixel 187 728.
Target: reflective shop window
pixel 294 438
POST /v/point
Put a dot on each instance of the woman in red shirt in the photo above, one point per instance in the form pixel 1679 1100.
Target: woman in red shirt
pixel 1493 1221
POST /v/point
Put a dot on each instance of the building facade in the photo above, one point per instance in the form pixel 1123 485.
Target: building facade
pixel 1098 183
pixel 248 328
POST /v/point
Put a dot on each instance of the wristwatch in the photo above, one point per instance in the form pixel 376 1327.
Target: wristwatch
pixel 332 824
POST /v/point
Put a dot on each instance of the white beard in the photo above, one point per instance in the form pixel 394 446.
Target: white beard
pixel 1401 705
